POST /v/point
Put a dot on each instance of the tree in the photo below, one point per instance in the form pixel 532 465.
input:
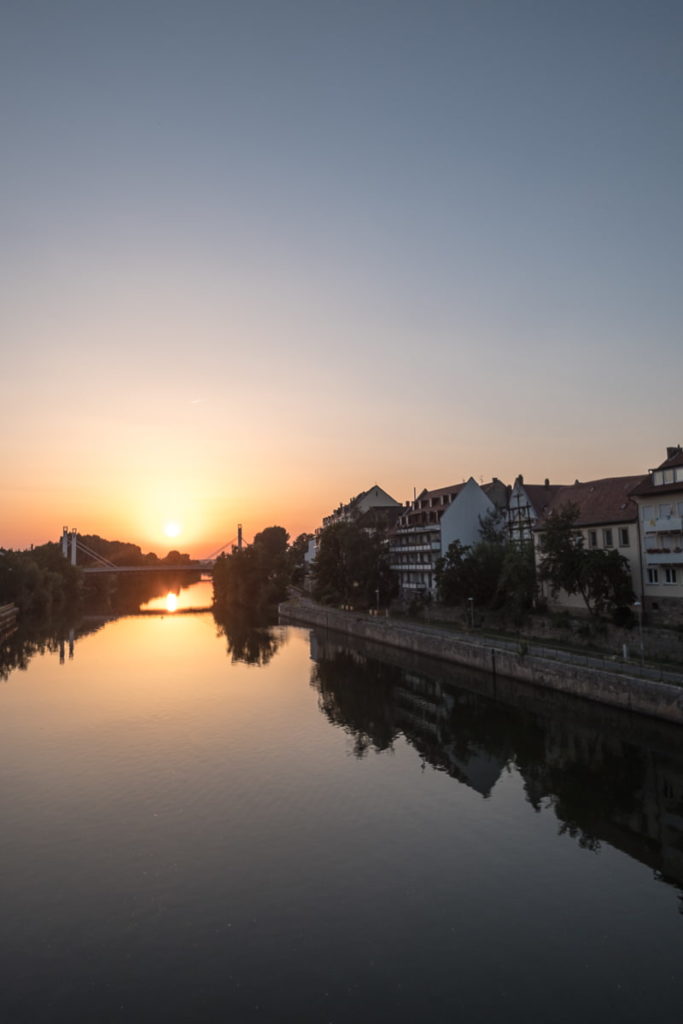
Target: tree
pixel 352 567
pixel 255 576
pixel 452 574
pixel 297 556
pixel 470 572
pixel 601 578
pixel 517 580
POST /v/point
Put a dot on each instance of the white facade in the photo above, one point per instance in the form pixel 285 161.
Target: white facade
pixel 431 523
pixel 462 519
pixel 660 512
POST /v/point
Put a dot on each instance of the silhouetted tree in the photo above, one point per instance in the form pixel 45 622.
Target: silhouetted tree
pixel 601 578
pixel 352 567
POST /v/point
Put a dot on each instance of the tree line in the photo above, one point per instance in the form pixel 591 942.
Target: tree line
pixel 257 576
pixel 40 580
pixel 352 567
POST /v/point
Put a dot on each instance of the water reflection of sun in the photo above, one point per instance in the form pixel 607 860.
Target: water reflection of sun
pixel 171 602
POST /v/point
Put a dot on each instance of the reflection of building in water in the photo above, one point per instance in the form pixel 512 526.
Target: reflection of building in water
pixel 425 713
pixel 609 776
pixel 605 789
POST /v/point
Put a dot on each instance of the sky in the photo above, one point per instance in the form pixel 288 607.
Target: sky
pixel 258 256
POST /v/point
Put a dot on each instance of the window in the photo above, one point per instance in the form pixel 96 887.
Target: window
pixel 679 475
pixel 648 513
pixel 665 511
pixel 669 575
pixel 657 478
pixel 607 539
pixel 653 576
pixel 593 538
pixel 668 476
pixel 624 541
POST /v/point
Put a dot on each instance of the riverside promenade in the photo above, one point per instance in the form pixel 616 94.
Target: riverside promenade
pixel 643 689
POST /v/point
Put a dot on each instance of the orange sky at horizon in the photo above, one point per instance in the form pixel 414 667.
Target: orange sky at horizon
pixel 139 509
pixel 254 263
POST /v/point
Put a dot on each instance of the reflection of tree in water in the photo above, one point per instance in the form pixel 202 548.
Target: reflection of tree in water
pixel 38 636
pixel 585 763
pixel 124 593
pixel 250 638
pixel 355 694
pixel 589 779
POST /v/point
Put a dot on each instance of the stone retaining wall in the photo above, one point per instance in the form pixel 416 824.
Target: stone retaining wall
pixel 618 689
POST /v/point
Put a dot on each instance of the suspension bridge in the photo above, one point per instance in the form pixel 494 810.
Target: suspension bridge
pixel 91 561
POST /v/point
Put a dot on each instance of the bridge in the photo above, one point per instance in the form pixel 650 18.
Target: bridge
pixel 73 545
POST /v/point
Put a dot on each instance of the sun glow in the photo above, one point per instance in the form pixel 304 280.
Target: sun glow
pixel 172 529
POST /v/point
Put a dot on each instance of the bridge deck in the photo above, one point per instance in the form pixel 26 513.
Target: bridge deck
pixel 196 567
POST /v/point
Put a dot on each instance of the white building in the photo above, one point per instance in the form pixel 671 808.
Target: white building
pixel 429 525
pixel 659 498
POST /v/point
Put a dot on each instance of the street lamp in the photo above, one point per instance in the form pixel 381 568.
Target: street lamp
pixel 639 606
pixel 470 605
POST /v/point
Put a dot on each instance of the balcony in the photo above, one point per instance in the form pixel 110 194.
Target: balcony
pixel 405 549
pixel 411 566
pixel 665 524
pixel 664 557
pixel 422 528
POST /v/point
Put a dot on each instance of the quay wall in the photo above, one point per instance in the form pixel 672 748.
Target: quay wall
pixel 597 683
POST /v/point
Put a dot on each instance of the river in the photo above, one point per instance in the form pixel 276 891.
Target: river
pixel 206 822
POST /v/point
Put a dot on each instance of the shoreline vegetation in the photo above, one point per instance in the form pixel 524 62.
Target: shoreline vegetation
pixel 41 582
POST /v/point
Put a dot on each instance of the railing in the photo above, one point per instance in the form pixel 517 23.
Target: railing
pixel 664 557
pixel 664 524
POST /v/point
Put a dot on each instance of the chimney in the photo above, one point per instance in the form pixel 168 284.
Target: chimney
pixel 547 482
pixel 671 451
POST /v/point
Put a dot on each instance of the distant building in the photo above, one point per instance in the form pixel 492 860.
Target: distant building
pixel 429 525
pixel 372 500
pixel 607 519
pixel 373 510
pixel 659 499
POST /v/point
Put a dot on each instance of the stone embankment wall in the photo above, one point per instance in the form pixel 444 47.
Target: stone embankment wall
pixel 659 643
pixel 619 686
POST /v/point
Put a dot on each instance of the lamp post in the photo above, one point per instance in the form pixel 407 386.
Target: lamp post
pixel 639 606
pixel 470 605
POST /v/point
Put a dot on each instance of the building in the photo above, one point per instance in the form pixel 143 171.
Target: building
pixel 527 504
pixel 373 500
pixel 373 510
pixel 659 500
pixel 607 519
pixel 429 525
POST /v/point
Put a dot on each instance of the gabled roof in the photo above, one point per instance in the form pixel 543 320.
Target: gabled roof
pixel 541 495
pixel 647 485
pixel 599 502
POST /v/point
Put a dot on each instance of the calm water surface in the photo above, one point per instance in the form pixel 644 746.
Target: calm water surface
pixel 206 823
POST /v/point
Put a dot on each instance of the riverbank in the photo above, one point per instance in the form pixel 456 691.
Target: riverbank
pixel 643 689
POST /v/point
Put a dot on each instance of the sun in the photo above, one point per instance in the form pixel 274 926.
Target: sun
pixel 173 529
